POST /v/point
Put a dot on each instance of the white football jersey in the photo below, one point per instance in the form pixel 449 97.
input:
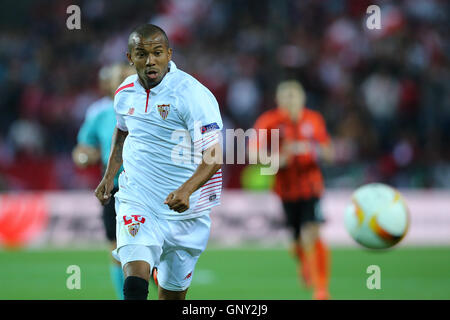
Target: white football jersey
pixel 168 128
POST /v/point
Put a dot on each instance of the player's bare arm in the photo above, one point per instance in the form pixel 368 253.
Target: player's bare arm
pixel 84 156
pixel 178 200
pixel 103 191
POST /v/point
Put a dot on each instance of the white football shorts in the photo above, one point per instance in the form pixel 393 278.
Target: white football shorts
pixel 172 246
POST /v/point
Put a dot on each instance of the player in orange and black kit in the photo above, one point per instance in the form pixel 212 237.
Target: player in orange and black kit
pixel 299 182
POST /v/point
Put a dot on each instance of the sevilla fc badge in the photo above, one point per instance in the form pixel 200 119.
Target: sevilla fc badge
pixel 163 110
pixel 133 229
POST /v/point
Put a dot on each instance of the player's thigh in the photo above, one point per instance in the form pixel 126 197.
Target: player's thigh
pixel 186 242
pixel 310 212
pixel 291 210
pixel 136 226
pixel 311 220
pixel 139 238
pixel 176 268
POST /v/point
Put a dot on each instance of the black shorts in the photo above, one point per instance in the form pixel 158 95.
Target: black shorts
pixel 299 212
pixel 109 217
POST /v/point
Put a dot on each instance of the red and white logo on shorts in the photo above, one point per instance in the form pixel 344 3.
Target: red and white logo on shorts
pixel 134 228
pixel 188 276
pixel 134 223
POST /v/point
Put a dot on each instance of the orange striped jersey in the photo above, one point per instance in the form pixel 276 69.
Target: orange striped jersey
pixel 301 178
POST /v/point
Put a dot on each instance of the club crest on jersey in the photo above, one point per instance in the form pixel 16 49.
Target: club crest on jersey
pixel 130 111
pixel 133 229
pixel 163 110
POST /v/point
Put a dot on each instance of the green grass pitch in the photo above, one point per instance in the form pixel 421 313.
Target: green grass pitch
pixel 230 274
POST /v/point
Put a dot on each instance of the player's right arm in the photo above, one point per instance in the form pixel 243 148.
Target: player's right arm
pixel 103 191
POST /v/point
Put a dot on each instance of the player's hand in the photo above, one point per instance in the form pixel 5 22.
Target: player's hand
pixel 103 191
pixel 84 156
pixel 178 200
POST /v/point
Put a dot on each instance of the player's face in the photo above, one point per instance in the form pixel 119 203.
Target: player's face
pixel 290 99
pixel 151 58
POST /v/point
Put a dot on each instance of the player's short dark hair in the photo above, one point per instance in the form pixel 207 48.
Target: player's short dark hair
pixel 147 30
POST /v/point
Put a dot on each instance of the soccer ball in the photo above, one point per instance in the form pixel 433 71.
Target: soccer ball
pixel 377 217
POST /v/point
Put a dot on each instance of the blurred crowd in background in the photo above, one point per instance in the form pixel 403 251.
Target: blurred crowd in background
pixel 385 94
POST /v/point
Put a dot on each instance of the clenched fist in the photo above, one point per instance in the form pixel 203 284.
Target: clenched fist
pixel 178 200
pixel 103 191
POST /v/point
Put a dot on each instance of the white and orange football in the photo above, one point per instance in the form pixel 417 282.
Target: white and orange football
pixel 377 217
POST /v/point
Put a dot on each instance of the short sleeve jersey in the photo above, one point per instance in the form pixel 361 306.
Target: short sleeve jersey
pixel 302 177
pixel 168 128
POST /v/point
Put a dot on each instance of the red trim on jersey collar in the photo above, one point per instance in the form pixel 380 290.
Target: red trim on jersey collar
pixel 146 103
pixel 124 87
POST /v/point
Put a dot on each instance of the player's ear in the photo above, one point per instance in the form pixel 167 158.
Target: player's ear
pixel 129 59
pixel 169 54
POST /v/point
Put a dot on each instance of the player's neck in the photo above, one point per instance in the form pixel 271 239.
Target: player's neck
pixel 296 116
pixel 146 85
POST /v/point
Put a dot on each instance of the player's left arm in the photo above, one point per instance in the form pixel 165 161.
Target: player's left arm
pixel 178 200
pixel 200 111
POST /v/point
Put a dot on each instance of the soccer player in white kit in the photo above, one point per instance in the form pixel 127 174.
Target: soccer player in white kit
pixel 168 139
